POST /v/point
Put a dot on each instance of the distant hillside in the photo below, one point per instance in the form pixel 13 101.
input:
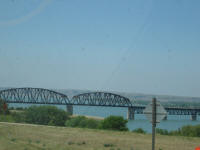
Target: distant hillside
pixel 138 96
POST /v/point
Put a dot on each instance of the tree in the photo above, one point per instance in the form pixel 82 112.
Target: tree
pixel 114 123
pixel 139 130
pixel 82 122
pixel 46 115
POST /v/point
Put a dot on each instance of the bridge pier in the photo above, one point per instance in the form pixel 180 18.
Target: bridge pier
pixel 194 117
pixel 131 113
pixel 69 109
pixel 165 118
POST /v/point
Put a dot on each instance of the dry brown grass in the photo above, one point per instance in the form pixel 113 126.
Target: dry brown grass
pixel 30 137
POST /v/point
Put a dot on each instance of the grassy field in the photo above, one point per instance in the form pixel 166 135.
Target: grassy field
pixel 29 137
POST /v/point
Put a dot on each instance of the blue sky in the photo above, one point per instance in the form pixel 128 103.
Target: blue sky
pixel 145 46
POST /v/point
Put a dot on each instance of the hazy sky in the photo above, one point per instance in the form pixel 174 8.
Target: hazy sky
pixel 145 46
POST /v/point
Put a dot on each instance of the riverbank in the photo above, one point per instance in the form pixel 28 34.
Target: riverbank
pixel 89 117
pixel 31 137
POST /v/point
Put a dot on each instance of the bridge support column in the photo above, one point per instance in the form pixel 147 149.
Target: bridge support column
pixel 165 118
pixel 194 117
pixel 69 109
pixel 131 113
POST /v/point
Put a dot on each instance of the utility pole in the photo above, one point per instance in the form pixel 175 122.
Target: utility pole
pixel 154 112
pixel 153 122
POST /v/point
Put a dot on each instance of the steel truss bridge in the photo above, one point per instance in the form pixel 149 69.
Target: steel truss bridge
pixel 45 96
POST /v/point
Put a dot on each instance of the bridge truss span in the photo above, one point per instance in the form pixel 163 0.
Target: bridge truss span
pixel 182 111
pixel 101 99
pixel 45 96
pixel 33 96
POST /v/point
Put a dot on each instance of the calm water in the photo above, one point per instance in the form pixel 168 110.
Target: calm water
pixel 173 122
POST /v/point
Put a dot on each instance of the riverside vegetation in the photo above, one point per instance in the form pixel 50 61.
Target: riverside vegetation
pixel 53 116
pixel 190 131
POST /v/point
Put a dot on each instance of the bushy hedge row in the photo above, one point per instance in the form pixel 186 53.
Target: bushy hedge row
pixel 189 130
pixel 109 123
pixel 114 123
pixel 6 118
pixel 139 130
pixel 44 115
pixel 51 115
pixel 82 122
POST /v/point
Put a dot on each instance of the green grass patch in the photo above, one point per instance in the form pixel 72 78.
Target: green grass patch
pixel 6 118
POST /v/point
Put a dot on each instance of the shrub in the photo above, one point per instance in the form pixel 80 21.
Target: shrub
pixel 82 122
pixel 6 118
pixel 76 121
pixel 19 108
pixel 114 123
pixel 162 131
pixel 81 143
pixel 70 143
pixel 29 141
pixel 192 131
pixel 11 108
pixel 13 139
pixel 139 130
pixel 46 115
pixel 108 145
pixel 18 116
pixel 93 124
pixel 110 123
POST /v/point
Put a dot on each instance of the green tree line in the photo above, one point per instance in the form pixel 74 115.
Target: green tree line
pixel 189 130
pixel 51 115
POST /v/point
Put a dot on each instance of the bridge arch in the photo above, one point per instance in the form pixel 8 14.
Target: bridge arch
pixel 101 99
pixel 33 96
